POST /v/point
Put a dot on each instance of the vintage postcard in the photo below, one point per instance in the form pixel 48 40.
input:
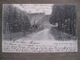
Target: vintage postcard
pixel 39 28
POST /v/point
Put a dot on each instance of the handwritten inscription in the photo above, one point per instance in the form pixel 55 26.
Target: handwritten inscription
pixel 36 47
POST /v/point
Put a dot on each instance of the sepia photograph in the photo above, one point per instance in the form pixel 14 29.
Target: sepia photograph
pixel 39 28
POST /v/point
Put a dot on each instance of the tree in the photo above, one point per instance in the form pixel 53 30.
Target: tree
pixel 65 16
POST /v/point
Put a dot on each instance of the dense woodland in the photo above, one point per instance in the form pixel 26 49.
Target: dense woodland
pixel 65 16
pixel 15 20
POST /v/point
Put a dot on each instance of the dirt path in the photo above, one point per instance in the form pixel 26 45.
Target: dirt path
pixel 42 35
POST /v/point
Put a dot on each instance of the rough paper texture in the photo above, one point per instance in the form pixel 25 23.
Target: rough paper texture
pixel 39 28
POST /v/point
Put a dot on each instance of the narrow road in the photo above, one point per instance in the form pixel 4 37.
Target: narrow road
pixel 42 35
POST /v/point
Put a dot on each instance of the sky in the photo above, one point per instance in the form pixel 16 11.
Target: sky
pixel 35 8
